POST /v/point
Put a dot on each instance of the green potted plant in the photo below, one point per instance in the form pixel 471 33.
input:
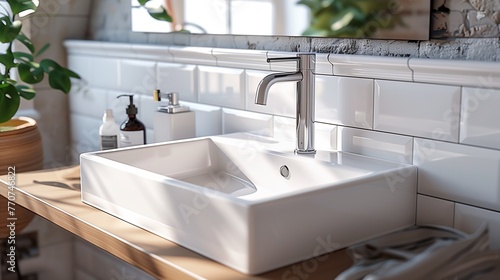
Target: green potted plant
pixel 29 70
pixel 19 137
pixel 19 57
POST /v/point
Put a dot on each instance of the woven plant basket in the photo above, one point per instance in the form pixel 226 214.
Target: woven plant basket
pixel 20 148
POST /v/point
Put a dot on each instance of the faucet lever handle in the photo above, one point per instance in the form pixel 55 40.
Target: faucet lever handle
pixel 283 59
pixel 172 97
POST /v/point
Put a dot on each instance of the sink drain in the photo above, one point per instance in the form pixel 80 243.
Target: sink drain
pixel 284 171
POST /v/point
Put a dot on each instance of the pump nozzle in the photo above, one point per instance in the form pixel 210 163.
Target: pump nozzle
pixel 131 109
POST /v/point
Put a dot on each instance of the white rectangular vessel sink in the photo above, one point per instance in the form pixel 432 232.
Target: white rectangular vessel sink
pixel 248 201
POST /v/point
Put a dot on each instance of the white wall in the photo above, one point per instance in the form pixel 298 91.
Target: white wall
pixel 439 115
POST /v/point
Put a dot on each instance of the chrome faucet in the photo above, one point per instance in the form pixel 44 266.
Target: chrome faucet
pixel 304 76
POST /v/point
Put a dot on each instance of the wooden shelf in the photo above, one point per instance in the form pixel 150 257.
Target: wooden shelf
pixel 55 196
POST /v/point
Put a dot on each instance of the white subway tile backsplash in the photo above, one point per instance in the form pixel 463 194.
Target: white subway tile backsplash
pixel 245 59
pixel 108 74
pixel 424 110
pixel 193 55
pixel 85 66
pixel 121 50
pixel 179 78
pixel 208 119
pixel 458 172
pixel 285 128
pixel 147 109
pixel 221 86
pixel 150 136
pixel 243 121
pixel 82 64
pixel 88 101
pixel 85 47
pixel 479 125
pixel 323 65
pixel 151 52
pixel 137 76
pixel 469 219
pixel 381 145
pixel 373 67
pixel 434 211
pixel 455 72
pixel 281 100
pixel 344 101
pixel 84 133
pixel 325 136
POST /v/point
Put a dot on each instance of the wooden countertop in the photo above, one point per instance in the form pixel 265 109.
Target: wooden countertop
pixel 55 196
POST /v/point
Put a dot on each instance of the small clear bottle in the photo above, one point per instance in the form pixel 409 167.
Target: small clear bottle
pixel 108 131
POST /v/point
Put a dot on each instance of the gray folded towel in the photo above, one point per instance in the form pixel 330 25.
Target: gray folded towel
pixel 425 252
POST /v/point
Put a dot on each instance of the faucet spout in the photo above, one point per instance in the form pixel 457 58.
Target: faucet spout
pixel 269 80
pixel 305 97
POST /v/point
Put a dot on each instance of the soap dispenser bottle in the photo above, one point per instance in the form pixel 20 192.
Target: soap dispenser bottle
pixel 132 131
pixel 172 121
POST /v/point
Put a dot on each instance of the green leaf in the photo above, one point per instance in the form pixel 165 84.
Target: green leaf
pixel 160 14
pixel 42 50
pixel 311 31
pixel 59 80
pixel 344 20
pixel 18 6
pixel 59 77
pixel 370 6
pixel 313 5
pixel 21 37
pixel 48 65
pixel 9 102
pixel 9 29
pixel 70 73
pixel 26 92
pixel 5 79
pixel 25 57
pixel 30 73
pixel 7 59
